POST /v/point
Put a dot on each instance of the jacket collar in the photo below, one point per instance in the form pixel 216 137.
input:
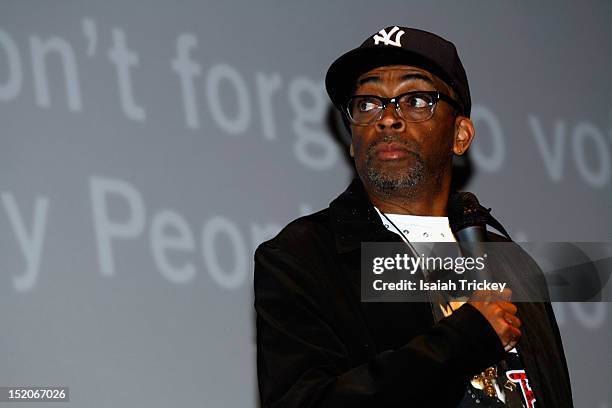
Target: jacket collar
pixel 354 220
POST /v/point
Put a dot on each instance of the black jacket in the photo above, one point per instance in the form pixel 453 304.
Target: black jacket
pixel 319 346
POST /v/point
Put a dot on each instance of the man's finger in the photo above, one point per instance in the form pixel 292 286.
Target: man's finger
pixel 505 294
pixel 507 307
pixel 511 338
pixel 484 295
pixel 512 320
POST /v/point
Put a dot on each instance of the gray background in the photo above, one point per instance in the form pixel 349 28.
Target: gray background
pixel 101 139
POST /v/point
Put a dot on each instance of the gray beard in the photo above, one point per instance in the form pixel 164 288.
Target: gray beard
pixel 405 179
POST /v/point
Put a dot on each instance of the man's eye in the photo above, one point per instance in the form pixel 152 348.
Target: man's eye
pixel 365 106
pixel 419 101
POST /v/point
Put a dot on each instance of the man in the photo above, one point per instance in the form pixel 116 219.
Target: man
pixel 405 97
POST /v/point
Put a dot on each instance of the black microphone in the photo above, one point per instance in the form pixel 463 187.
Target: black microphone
pixel 475 233
pixel 467 218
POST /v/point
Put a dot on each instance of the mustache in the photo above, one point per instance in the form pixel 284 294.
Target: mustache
pixel 410 145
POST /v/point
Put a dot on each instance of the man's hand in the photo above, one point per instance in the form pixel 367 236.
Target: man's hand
pixel 500 313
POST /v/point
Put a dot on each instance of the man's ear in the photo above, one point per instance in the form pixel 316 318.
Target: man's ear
pixel 351 151
pixel 464 134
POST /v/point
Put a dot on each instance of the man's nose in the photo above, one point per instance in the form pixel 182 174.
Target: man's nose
pixel 390 119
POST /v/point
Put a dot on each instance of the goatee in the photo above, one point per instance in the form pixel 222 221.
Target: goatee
pixel 405 178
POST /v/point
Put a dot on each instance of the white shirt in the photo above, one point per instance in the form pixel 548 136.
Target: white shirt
pixel 419 228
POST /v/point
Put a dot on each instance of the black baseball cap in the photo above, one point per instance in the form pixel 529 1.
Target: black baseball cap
pixel 399 46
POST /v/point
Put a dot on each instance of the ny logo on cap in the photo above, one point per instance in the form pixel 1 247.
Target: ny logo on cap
pixel 386 37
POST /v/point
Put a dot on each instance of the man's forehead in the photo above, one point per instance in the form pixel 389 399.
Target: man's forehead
pixel 398 72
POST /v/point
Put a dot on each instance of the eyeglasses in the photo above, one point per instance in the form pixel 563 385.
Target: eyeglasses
pixel 415 106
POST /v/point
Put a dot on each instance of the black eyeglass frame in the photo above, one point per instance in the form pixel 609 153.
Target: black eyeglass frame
pixel 436 95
